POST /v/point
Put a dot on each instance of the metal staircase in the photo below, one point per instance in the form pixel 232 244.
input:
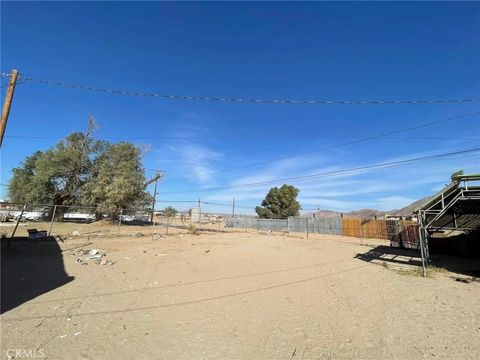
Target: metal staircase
pixel 456 208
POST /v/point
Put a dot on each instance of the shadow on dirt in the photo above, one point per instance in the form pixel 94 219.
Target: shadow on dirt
pixel 462 245
pixel 30 268
pixel 388 254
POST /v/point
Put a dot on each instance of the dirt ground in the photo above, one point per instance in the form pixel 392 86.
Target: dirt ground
pixel 230 295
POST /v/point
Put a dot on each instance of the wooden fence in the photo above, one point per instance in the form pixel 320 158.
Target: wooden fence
pixel 405 233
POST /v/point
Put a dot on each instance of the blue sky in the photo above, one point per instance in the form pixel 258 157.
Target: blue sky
pixel 252 50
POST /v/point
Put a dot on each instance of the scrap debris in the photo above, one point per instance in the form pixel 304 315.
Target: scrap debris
pixel 96 255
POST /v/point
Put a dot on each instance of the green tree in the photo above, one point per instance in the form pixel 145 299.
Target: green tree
pixel 62 172
pixel 117 180
pixel 80 170
pixel 20 189
pixel 58 174
pixel 170 211
pixel 280 203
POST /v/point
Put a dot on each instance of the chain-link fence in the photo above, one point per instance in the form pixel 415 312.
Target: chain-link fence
pixel 62 220
pixel 22 220
pixel 400 233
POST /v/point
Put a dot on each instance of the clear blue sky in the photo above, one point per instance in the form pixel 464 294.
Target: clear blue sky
pixel 255 50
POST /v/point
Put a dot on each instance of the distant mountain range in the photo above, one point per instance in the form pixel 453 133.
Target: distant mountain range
pixel 407 210
pixel 371 213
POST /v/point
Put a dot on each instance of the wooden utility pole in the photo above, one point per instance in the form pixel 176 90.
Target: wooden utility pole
pixel 233 208
pixel 158 175
pixel 154 200
pixel 8 103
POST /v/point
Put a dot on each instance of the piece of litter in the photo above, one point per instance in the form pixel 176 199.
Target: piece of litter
pixel 77 333
pixel 63 336
pixel 127 258
pixel 75 233
pixel 161 254
pixel 68 319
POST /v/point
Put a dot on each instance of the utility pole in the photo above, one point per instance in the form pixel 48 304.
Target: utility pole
pixel 158 175
pixel 233 208
pixel 154 199
pixel 199 212
pixel 8 103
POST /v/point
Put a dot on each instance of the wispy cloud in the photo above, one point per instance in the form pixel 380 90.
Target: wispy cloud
pixel 197 160
pixel 384 189
pixel 202 162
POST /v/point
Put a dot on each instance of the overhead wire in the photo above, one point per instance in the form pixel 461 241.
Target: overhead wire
pixel 335 172
pixel 335 146
pixel 255 138
pixel 205 203
pixel 244 100
pixel 295 101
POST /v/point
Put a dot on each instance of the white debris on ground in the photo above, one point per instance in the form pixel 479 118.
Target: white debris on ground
pixel 97 256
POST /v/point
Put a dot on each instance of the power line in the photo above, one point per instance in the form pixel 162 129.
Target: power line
pixel 228 205
pixel 187 138
pixel 337 172
pixel 205 203
pixel 386 135
pixel 365 139
pixel 245 100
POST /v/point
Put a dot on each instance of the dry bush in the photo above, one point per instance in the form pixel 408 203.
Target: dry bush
pixel 193 229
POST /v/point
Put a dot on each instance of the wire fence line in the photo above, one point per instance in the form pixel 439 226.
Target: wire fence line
pixel 62 219
pixel 400 233
pixel 75 219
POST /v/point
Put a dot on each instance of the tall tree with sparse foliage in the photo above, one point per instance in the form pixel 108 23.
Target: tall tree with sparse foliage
pixel 57 174
pixel 81 170
pixel 118 180
pixel 280 203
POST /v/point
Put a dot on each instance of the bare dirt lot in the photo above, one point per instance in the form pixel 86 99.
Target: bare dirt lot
pixel 230 295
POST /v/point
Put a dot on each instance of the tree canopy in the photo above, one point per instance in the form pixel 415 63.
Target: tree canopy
pixel 170 211
pixel 280 203
pixel 81 170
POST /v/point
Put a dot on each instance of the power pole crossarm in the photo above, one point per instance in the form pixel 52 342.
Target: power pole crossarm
pixel 8 103
pixel 154 179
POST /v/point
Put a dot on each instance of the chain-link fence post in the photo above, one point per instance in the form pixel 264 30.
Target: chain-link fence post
pixel 51 221
pixel 119 221
pixel 16 225
pixel 153 224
